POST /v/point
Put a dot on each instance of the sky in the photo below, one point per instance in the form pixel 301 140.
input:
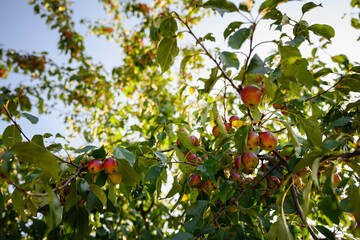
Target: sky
pixel 22 30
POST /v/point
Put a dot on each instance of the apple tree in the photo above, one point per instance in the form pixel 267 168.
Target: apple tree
pixel 256 147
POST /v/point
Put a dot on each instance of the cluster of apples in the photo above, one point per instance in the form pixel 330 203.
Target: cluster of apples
pixel 191 157
pixel 197 182
pixel 111 167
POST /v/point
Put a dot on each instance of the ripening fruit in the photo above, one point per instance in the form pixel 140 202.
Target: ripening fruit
pixel 233 118
pixel 209 186
pixel 195 181
pixel 273 183
pixel 250 161
pixel 216 132
pixel 252 141
pixel 236 177
pixel 194 140
pixel 284 111
pixel 115 177
pixel 337 180
pixel 251 96
pixel 191 156
pixel 228 126
pixel 236 164
pixel 268 141
pixel 198 160
pixel 111 165
pixel 95 166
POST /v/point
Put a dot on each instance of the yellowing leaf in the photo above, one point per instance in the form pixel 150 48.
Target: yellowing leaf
pixel 238 124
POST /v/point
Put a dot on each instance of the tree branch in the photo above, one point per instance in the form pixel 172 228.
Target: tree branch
pixel 243 193
pixel 323 92
pixel 18 127
pixel 294 196
pixel 208 54
pixel 79 170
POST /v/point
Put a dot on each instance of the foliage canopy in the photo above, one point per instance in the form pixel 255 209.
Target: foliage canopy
pixel 180 156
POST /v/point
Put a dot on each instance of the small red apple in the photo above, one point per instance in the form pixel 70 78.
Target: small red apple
pixel 297 180
pixel 252 141
pixel 337 180
pixel 111 165
pixel 194 140
pixel 284 111
pixel 268 141
pixel 233 118
pixel 216 132
pixel 228 126
pixel 273 183
pixel 236 177
pixel 236 164
pixel 251 96
pixel 115 177
pixel 191 156
pixel 276 106
pixel 95 166
pixel 250 161
pixel 195 181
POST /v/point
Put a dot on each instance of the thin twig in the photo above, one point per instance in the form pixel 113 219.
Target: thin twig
pixel 80 169
pixel 294 196
pixel 323 92
pixel 208 54
pixel 243 193
pixel 19 128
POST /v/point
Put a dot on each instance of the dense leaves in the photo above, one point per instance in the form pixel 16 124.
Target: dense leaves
pixel 189 159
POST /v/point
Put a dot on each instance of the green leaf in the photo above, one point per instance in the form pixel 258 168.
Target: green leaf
pixel 98 193
pixel 293 138
pixel 306 199
pixel 76 223
pixel 220 123
pixel 270 88
pixel 322 30
pixel 209 83
pixel 222 6
pixel 85 149
pixel 122 153
pixel 11 136
pixel 183 64
pixel 182 236
pixel 229 60
pixel 283 226
pixel 195 212
pixel 129 175
pixel 33 153
pixel 269 5
pixel 30 117
pixel 307 160
pixel 179 154
pixel 240 138
pixel 312 130
pixel 99 153
pixel 340 122
pixel 322 72
pixel 176 188
pixel 168 26
pixel 308 6
pixel 330 208
pixel 239 37
pixel 39 140
pixel 53 219
pixel 231 28
pixel 185 140
pixel 246 6
pixel 257 66
pixel 154 173
pixel 352 81
pixel 161 156
pixel 208 36
pixel 355 69
pixel 326 232
pixel 166 52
